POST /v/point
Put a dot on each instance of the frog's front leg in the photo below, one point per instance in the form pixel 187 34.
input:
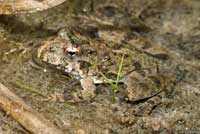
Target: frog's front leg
pixel 89 88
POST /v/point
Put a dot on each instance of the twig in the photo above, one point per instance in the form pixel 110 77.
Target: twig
pixel 29 119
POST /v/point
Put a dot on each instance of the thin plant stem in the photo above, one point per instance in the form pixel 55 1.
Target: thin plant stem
pixel 115 86
pixel 119 71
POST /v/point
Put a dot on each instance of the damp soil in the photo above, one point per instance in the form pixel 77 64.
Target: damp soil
pixel 159 33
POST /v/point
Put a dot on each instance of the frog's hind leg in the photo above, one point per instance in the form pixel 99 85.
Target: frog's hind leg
pixel 145 108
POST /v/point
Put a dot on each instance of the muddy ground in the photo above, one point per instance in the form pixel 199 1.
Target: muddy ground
pixel 168 35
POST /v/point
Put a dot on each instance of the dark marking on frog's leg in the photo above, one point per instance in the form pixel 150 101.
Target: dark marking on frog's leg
pixel 158 56
pixel 146 108
pixel 142 100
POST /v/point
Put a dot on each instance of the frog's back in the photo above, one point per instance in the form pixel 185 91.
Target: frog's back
pixel 26 6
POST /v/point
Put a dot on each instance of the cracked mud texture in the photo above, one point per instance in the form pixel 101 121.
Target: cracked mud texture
pixel 160 40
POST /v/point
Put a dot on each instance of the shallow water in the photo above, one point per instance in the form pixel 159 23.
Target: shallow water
pixel 174 26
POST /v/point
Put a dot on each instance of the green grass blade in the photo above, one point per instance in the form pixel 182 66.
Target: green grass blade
pixel 119 71
pixel 108 80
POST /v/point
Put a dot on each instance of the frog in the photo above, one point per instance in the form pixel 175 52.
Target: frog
pixel 80 59
pixel 85 58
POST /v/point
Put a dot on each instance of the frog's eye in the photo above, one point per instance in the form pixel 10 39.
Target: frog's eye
pixel 72 51
pixel 91 52
pixel 72 54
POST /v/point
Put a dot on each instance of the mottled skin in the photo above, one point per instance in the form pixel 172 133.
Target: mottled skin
pixel 143 85
pixel 26 6
pixel 55 52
